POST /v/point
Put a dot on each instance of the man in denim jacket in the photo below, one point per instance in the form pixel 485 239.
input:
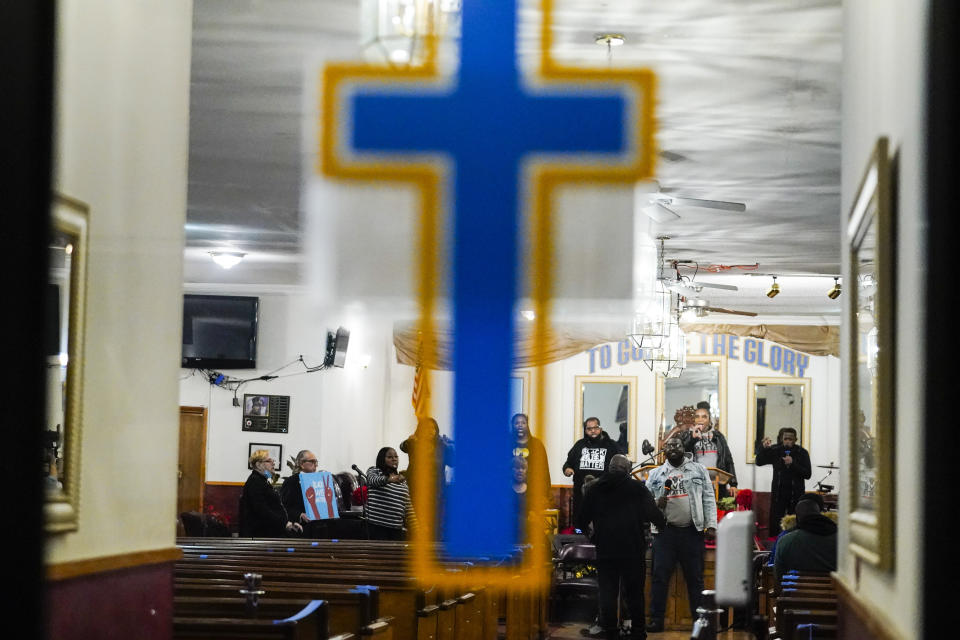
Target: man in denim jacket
pixel 683 490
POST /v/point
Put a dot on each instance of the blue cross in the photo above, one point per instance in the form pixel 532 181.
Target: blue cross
pixel 487 126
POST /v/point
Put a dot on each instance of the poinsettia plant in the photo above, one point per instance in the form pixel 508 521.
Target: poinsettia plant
pixel 359 495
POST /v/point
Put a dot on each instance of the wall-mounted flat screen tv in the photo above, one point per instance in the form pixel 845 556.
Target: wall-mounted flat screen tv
pixel 219 332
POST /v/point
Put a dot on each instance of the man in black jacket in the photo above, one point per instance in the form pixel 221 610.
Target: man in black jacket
pixel 791 466
pixel 620 507
pixel 291 493
pixel 588 457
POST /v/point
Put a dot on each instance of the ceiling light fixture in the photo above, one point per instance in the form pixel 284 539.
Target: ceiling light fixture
pixel 227 259
pixel 774 289
pixel 609 39
pixel 402 32
pixel 834 292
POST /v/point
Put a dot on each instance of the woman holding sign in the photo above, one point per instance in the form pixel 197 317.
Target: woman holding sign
pixel 261 513
pixel 388 499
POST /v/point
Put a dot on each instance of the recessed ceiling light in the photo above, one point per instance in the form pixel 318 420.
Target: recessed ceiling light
pixel 227 259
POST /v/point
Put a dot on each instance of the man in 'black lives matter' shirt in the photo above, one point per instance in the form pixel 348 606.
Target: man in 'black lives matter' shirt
pixel 590 456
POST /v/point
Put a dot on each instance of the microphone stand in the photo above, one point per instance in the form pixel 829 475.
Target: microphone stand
pixel 820 481
pixel 363 479
pixel 651 460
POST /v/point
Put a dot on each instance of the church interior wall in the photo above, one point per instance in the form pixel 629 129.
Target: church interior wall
pixel 121 147
pixel 884 93
pixel 346 415
pixel 121 115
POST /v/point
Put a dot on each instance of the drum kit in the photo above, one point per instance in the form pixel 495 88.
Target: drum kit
pixel 826 488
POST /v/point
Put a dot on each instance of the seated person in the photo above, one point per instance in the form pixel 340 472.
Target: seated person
pixel 261 512
pixel 812 546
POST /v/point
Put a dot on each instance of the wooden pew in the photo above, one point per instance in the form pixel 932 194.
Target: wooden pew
pixel 307 623
pixel 271 608
pixel 348 609
pixel 398 598
pixel 380 551
pixel 794 617
pixel 805 599
pixel 469 614
pixel 399 595
pixel 791 612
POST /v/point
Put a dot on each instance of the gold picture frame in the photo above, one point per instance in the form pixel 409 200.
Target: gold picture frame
pixel 870 349
pixel 69 239
pixel 615 385
pixel 663 416
pixel 796 385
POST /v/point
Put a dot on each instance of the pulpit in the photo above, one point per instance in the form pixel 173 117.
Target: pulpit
pixel 641 473
pixel 718 477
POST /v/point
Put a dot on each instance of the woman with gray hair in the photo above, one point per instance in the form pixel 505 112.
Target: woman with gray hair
pixel 261 512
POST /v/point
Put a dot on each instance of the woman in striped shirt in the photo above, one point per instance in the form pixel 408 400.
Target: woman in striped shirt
pixel 388 499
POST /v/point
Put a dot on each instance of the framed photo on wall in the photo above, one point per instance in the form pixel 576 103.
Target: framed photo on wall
pixel 871 352
pixel 276 452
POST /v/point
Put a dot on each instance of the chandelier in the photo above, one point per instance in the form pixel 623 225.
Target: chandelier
pixel 670 358
pixel 397 32
pixel 656 325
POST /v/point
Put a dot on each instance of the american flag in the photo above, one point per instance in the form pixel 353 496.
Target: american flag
pixel 421 392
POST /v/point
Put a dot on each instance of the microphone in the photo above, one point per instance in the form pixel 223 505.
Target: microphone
pixel 786 452
pixel 667 486
pixel 357 469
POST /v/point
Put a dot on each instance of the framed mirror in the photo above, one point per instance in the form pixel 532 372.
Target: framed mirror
pixel 703 380
pixel 520 392
pixel 871 350
pixel 66 296
pixel 612 399
pixel 775 403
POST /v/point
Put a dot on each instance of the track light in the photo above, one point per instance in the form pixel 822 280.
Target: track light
pixel 774 288
pixel 834 292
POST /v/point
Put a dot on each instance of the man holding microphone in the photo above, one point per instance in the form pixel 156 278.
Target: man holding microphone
pixel 791 466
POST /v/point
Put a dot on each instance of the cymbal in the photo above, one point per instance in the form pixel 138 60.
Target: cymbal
pixel 828 466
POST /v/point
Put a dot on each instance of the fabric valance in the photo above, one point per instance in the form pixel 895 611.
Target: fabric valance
pixel 563 342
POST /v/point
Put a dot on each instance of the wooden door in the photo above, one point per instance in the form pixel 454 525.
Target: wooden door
pixel 191 463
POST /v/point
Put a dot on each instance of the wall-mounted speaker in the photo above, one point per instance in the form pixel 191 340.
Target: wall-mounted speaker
pixel 336 348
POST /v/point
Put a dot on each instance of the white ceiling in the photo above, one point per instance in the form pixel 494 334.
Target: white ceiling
pixel 748 111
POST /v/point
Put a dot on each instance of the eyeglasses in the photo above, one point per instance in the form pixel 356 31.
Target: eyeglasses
pixel 593 428
pixel 270 460
pixel 310 461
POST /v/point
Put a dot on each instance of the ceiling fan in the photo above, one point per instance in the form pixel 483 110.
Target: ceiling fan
pixel 690 288
pixel 688 291
pixel 661 206
pixel 700 308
